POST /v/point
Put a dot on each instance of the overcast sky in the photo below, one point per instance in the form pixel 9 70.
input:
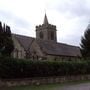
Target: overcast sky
pixel 71 17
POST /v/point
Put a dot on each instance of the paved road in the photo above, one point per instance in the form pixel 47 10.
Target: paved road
pixel 83 86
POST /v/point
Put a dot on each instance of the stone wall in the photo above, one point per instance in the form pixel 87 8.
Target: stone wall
pixel 42 80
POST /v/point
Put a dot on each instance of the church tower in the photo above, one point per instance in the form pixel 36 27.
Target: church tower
pixel 46 31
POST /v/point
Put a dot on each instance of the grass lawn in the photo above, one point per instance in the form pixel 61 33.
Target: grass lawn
pixel 42 87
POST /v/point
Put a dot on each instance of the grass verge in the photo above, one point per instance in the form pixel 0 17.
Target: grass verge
pixel 45 87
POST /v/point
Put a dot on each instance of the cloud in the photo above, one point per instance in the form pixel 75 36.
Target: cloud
pixel 21 23
pixel 73 17
pixel 70 16
pixel 75 7
pixel 14 21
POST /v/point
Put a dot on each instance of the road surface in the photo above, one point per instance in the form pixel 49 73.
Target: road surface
pixel 83 86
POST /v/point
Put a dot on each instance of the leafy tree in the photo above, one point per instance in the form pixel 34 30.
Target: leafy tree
pixel 6 42
pixel 85 43
pixel 0 27
pixel 8 31
pixel 1 37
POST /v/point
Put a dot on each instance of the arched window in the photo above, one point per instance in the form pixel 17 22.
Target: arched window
pixel 52 35
pixel 41 35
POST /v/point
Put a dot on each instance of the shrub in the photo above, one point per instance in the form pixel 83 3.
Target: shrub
pixel 18 68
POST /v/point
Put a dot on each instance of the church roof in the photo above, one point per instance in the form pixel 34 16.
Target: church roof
pixel 59 49
pixel 50 47
pixel 25 41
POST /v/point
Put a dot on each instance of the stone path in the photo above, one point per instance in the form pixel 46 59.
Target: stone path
pixel 83 86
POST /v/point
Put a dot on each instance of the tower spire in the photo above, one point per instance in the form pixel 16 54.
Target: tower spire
pixel 45 20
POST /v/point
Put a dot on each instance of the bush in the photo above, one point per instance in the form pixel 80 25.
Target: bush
pixel 18 68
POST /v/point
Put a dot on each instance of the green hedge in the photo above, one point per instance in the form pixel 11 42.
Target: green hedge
pixel 17 68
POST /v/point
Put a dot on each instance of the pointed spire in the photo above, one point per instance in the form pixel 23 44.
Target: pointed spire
pixel 45 20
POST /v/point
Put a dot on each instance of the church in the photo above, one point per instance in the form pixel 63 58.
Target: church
pixel 44 46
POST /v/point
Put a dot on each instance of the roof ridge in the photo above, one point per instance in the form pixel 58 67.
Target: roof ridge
pixel 23 35
pixel 67 44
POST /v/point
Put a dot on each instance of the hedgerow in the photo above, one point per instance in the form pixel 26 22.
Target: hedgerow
pixel 18 68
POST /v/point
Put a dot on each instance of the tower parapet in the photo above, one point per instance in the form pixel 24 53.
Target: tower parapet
pixel 42 27
pixel 46 31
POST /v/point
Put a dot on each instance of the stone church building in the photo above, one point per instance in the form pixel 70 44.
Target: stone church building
pixel 44 46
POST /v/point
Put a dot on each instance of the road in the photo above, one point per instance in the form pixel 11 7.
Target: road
pixel 73 86
pixel 83 86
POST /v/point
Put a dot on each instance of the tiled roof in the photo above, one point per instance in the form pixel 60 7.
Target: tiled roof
pixel 60 49
pixel 25 41
pixel 49 47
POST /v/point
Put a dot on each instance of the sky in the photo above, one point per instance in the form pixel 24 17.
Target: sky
pixel 71 17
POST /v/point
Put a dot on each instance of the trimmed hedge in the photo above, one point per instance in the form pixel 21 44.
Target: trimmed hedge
pixel 17 68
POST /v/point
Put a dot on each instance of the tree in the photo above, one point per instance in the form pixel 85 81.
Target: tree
pixel 1 37
pixel 8 31
pixel 85 43
pixel 6 42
